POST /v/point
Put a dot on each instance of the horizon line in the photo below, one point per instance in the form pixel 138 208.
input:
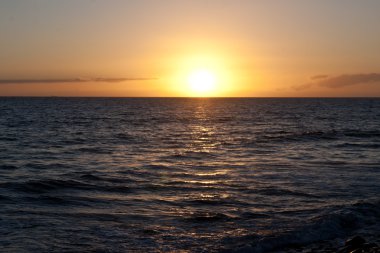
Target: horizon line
pixel 232 97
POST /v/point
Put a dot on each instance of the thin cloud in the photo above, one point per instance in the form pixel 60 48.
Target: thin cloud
pixel 317 77
pixel 71 80
pixel 302 86
pixel 349 80
pixel 339 81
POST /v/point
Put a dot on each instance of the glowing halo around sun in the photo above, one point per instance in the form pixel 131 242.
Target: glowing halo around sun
pixel 202 82
pixel 201 75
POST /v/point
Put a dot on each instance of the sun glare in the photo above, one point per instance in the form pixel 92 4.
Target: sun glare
pixel 201 75
pixel 202 81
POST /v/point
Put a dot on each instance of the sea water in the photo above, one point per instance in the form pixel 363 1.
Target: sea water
pixel 189 175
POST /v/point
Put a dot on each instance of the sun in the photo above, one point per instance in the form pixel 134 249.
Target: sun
pixel 202 81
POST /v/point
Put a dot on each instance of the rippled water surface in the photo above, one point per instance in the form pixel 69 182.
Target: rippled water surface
pixel 197 175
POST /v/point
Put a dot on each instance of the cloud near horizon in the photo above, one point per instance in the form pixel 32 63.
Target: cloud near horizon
pixel 71 80
pixel 348 80
pixel 318 77
pixel 339 81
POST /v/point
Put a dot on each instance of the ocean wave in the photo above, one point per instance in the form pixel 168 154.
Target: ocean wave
pixel 342 222
pixel 254 215
pixel 301 136
pixel 53 185
pixel 191 155
pixel 214 201
pixel 359 145
pixel 270 191
pixel 4 198
pixel 51 200
pixel 91 177
pixel 93 150
pixel 308 136
pixel 10 139
pixel 42 186
pixel 8 167
pixel 362 134
pixel 207 217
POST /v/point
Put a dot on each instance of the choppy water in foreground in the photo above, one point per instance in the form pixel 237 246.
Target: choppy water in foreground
pixel 197 175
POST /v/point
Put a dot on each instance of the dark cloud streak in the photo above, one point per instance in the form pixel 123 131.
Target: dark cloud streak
pixel 340 81
pixel 302 86
pixel 71 80
pixel 349 80
pixel 317 77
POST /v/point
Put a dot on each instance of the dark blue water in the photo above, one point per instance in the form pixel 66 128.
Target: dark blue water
pixel 189 175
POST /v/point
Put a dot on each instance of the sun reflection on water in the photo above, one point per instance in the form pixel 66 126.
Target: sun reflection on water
pixel 203 133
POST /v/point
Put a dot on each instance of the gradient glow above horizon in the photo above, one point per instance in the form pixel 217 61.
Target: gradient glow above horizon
pixel 289 48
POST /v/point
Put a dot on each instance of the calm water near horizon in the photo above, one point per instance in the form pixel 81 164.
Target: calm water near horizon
pixel 190 175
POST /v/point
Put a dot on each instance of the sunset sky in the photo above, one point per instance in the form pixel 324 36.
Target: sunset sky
pixel 248 48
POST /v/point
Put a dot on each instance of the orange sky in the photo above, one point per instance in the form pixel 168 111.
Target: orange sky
pixel 253 48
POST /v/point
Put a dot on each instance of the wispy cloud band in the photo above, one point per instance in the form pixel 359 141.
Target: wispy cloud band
pixel 348 80
pixel 318 77
pixel 71 80
pixel 339 81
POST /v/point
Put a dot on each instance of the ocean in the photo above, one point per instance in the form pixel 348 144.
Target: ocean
pixel 187 174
